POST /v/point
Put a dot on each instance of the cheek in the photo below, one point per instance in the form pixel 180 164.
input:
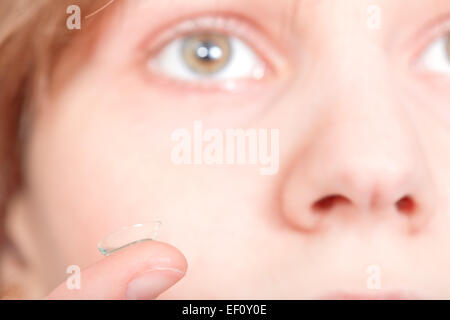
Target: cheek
pixel 91 171
pixel 95 166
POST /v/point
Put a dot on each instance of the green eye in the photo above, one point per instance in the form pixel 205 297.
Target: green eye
pixel 206 53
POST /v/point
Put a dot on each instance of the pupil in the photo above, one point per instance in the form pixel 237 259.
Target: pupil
pixel 206 54
pixel 208 51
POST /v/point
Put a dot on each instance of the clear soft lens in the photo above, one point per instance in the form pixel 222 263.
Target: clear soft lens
pixel 129 235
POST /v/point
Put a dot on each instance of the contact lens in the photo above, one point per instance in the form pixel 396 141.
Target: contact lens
pixel 128 236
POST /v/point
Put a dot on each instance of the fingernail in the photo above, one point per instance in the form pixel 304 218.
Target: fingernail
pixel 152 283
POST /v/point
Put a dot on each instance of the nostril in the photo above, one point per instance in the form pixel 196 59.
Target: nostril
pixel 328 202
pixel 406 205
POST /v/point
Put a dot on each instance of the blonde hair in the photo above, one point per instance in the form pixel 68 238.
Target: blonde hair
pixel 32 36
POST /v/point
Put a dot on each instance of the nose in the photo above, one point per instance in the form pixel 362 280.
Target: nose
pixel 363 164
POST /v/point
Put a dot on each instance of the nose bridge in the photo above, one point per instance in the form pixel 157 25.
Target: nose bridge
pixel 363 109
pixel 363 97
pixel 369 127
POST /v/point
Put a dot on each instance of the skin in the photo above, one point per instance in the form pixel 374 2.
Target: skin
pixel 358 121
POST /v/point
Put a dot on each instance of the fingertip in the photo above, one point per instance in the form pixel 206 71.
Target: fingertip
pixel 148 268
pixel 155 252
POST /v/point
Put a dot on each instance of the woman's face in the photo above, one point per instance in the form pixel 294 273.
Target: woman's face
pixel 354 98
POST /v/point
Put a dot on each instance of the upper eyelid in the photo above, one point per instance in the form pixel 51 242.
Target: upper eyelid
pixel 197 24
